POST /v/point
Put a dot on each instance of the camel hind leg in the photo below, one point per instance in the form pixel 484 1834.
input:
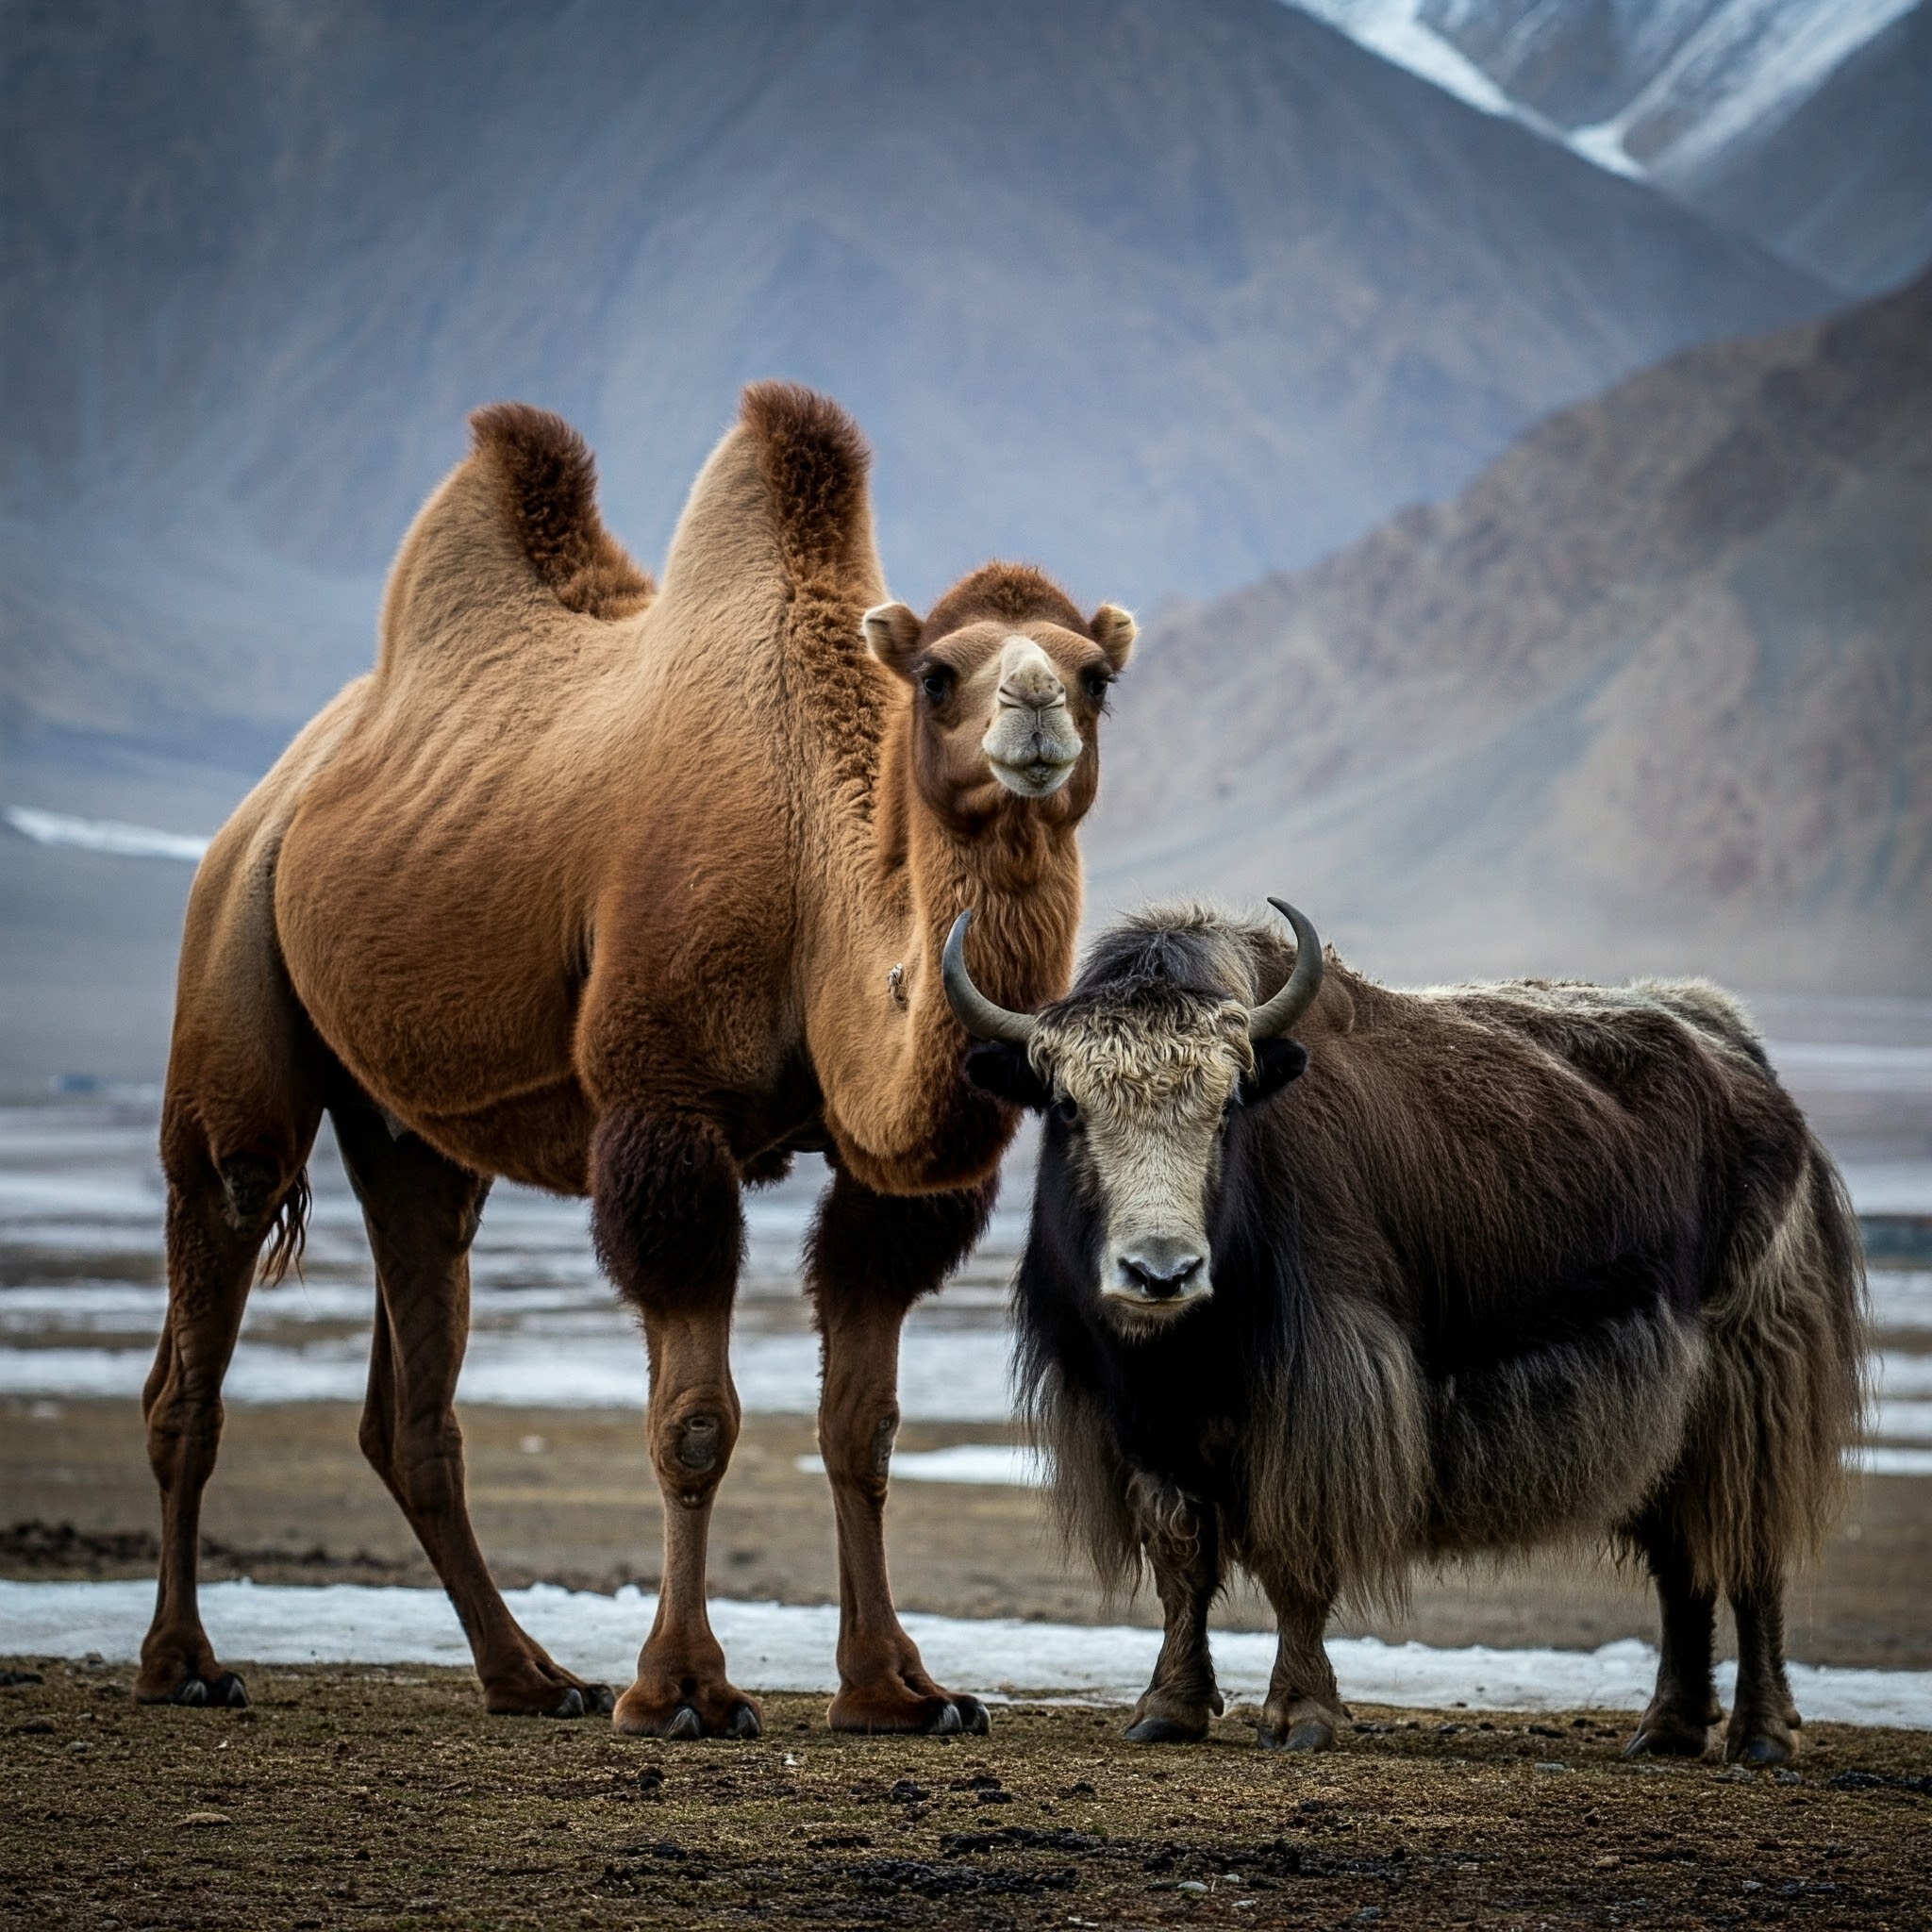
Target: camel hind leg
pixel 421 1212
pixel 222 1206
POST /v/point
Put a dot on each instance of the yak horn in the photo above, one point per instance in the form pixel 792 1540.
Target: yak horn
pixel 981 1018
pixel 1270 1021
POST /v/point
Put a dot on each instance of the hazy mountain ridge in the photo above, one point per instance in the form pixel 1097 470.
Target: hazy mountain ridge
pixel 1801 123
pixel 1159 294
pixel 1656 690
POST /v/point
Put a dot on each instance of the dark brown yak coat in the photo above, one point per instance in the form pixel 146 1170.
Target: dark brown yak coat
pixel 1504 1264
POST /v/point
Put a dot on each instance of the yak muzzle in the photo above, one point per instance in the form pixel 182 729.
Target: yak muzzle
pixel 1156 1277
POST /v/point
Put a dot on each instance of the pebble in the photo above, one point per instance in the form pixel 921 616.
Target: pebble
pixel 201 1821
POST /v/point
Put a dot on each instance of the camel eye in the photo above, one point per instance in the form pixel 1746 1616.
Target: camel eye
pixel 937 683
pixel 1096 683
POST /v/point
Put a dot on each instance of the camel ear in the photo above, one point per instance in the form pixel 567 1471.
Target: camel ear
pixel 892 632
pixel 1114 630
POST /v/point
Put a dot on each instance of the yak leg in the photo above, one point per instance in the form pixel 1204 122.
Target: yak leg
pixel 671 1234
pixel 1303 1710
pixel 1684 1707
pixel 1182 1541
pixel 421 1211
pixel 1763 1716
pixel 219 1214
pixel 872 1256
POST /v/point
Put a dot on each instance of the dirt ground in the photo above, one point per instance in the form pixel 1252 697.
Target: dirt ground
pixel 567 1496
pixel 385 1798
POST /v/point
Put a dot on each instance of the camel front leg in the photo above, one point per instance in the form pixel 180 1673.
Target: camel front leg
pixel 1181 1536
pixel 671 1233
pixel 872 1256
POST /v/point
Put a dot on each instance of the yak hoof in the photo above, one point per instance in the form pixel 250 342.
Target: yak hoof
pixel 1312 1734
pixel 1668 1736
pixel 1162 1730
pixel 226 1691
pixel 1760 1744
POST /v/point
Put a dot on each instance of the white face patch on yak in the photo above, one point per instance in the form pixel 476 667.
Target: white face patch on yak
pixel 1151 1101
pixel 1031 743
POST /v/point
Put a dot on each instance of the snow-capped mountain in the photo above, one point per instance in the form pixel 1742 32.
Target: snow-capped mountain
pixel 1703 98
pixel 1161 294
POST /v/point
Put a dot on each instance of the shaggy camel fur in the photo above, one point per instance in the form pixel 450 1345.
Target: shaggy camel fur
pixel 1466 1269
pixel 631 892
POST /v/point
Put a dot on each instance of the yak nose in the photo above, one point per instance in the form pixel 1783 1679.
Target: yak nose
pixel 1159 1268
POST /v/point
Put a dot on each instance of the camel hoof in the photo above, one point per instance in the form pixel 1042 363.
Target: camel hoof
pixel 744 1722
pixel 975 1718
pixel 1160 1730
pixel 948 1723
pixel 1312 1734
pixel 685 1722
pixel 227 1691
pixel 600 1699
pixel 570 1705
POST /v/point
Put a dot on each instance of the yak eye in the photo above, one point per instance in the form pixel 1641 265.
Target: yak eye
pixel 1067 1111
pixel 936 683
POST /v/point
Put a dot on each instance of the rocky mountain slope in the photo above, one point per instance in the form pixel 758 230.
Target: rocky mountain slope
pixel 1802 123
pixel 1161 294
pixel 1654 693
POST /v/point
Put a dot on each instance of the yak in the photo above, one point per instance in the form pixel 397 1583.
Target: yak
pixel 1326 1280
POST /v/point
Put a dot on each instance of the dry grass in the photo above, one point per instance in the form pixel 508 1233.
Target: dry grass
pixel 385 1798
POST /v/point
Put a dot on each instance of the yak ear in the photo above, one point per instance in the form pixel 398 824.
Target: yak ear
pixel 892 633
pixel 1277 1062
pixel 1114 630
pixel 1003 1069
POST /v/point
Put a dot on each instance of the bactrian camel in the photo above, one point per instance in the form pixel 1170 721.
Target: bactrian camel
pixel 631 892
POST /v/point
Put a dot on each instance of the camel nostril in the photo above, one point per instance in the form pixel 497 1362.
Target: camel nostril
pixel 1033 695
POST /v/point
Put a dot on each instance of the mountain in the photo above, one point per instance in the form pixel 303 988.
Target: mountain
pixel 1842 181
pixel 1801 123
pixel 1653 693
pixel 1161 294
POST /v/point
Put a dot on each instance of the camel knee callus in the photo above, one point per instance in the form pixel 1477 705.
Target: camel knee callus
pixel 630 890
pixel 1460 1271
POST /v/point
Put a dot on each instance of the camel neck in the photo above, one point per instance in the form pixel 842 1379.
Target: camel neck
pixel 885 1044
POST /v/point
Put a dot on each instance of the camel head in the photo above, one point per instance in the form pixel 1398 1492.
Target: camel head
pixel 1008 682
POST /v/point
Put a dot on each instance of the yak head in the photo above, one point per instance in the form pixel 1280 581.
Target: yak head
pixel 1008 683
pixel 1139 1071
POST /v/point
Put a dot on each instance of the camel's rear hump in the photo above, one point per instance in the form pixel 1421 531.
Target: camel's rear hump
pixel 548 481
pixel 508 555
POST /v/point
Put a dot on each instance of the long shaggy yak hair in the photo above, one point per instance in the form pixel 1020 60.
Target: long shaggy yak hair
pixel 1508 1264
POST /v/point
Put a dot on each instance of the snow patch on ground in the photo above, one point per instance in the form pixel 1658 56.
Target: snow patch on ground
pixel 945 1376
pixel 1002 1465
pixel 788 1647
